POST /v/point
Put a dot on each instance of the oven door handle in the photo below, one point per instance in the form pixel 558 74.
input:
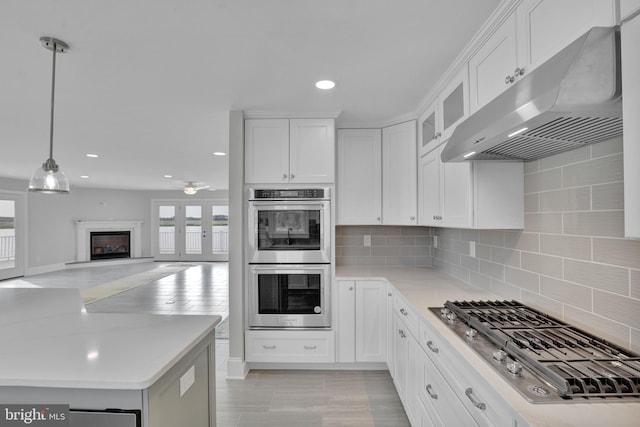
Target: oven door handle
pixel 286 205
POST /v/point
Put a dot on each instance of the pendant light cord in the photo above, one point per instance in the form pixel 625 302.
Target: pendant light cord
pixel 53 96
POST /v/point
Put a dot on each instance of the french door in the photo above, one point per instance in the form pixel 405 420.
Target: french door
pixel 12 234
pixel 190 230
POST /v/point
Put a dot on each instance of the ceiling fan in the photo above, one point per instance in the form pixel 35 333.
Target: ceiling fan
pixel 191 188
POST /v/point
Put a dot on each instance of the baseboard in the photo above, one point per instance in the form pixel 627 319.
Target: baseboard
pixel 44 269
pixel 369 366
pixel 104 263
pixel 237 369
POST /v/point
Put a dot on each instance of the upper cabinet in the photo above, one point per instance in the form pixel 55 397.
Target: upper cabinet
pixel 359 180
pixel 399 178
pixel 628 8
pixel 534 33
pixel 289 151
pixel 630 34
pixel 438 122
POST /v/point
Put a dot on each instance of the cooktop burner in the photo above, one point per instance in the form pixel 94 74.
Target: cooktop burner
pixel 545 359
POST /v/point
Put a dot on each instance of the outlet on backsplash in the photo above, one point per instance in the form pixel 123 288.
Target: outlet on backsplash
pixel 367 240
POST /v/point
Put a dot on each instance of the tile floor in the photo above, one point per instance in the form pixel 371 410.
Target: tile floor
pixel 265 398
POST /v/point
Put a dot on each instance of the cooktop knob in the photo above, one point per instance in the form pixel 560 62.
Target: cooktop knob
pixel 444 311
pixel 471 333
pixel 451 317
pixel 500 355
pixel 514 368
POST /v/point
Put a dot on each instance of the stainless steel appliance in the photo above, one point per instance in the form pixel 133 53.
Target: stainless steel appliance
pixel 289 225
pixel 289 296
pixel 545 359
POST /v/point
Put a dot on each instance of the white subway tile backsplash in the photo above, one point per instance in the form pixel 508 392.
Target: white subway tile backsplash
pixel 621 252
pixel 566 246
pixel 613 146
pixel 543 222
pixel 491 269
pixel 598 276
pixel 566 158
pixel 532 203
pixel 635 340
pixel 540 302
pixel 543 181
pixel 505 256
pixel 616 307
pixel 635 284
pixel 596 171
pixel 543 264
pixel 566 292
pixel 594 223
pixel 607 196
pixel 522 240
pixel 523 279
pixel 602 326
pixel 505 290
pixel 572 199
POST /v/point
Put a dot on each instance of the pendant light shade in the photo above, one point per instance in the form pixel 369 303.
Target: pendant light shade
pixel 49 179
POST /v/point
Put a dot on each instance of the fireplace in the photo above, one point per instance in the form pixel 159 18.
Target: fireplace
pixel 110 244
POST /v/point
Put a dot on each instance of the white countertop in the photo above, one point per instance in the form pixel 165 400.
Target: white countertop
pixel 424 288
pixel 50 341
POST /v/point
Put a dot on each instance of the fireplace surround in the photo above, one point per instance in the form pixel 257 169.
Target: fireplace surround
pixel 85 228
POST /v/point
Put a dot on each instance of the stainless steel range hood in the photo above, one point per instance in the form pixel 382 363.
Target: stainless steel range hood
pixel 573 99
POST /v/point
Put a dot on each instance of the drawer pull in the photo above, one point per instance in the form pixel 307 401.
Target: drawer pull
pixel 431 394
pixel 269 347
pixel 404 312
pixel 309 347
pixel 479 405
pixel 432 347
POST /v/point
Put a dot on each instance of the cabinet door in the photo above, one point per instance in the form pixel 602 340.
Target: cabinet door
pixel 359 180
pixel 457 194
pixel 631 108
pixel 312 150
pixel 547 26
pixel 454 103
pixel 389 328
pixel 370 321
pixel 493 64
pixel 400 362
pixel 399 178
pixel 346 321
pixel 428 128
pixel 429 188
pixel 266 150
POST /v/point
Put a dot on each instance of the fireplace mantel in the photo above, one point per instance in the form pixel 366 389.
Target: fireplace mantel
pixel 84 229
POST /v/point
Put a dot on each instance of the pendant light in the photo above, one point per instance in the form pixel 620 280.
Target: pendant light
pixel 49 179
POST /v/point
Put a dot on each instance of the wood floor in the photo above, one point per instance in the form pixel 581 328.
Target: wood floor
pixel 278 398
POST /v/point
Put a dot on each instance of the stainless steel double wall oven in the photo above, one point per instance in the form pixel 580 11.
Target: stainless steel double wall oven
pixel 289 254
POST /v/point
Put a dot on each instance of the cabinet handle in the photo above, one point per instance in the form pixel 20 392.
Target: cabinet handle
pixel 518 72
pixel 292 176
pixel 350 288
pixel 431 395
pixel 479 405
pixel 378 219
pixel 437 135
pixel 412 218
pixel 389 294
pixel 509 79
pixel 309 347
pixel 269 347
pixel 284 176
pixel 432 347
pixel 404 312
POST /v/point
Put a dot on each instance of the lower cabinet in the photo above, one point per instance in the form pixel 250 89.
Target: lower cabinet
pixel 287 346
pixel 362 319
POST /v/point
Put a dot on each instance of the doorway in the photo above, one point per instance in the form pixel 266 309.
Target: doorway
pixel 12 234
pixel 190 230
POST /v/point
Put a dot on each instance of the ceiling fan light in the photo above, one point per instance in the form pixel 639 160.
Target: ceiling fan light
pixel 190 190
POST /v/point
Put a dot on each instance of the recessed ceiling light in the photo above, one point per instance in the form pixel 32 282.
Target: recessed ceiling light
pixel 219 153
pixel 92 155
pixel 84 176
pixel 168 176
pixel 325 84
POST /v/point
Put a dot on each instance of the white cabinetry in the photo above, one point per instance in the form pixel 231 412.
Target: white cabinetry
pixel 399 178
pixel 628 8
pixel 362 313
pixel 359 180
pixel 536 31
pixel 438 122
pixel 289 346
pixel 630 33
pixel 470 194
pixel 289 151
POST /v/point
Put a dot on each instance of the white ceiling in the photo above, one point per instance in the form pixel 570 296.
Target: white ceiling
pixel 147 84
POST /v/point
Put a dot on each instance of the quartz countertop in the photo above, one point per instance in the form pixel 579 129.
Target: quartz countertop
pixel 426 287
pixel 49 340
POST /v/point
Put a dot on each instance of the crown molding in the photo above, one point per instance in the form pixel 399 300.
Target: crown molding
pixel 266 114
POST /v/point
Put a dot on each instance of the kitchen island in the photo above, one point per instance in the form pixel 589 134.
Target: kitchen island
pixel 422 288
pixel 159 367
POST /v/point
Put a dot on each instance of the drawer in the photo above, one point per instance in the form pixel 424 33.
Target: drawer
pixel 406 313
pixel 432 343
pixel 289 346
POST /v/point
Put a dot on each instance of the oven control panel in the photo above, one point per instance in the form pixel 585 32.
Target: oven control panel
pixel 285 194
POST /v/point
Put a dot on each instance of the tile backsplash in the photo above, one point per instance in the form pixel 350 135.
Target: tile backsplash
pixel 390 246
pixel 571 259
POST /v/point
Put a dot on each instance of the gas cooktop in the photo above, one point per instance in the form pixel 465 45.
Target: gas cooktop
pixel 545 359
